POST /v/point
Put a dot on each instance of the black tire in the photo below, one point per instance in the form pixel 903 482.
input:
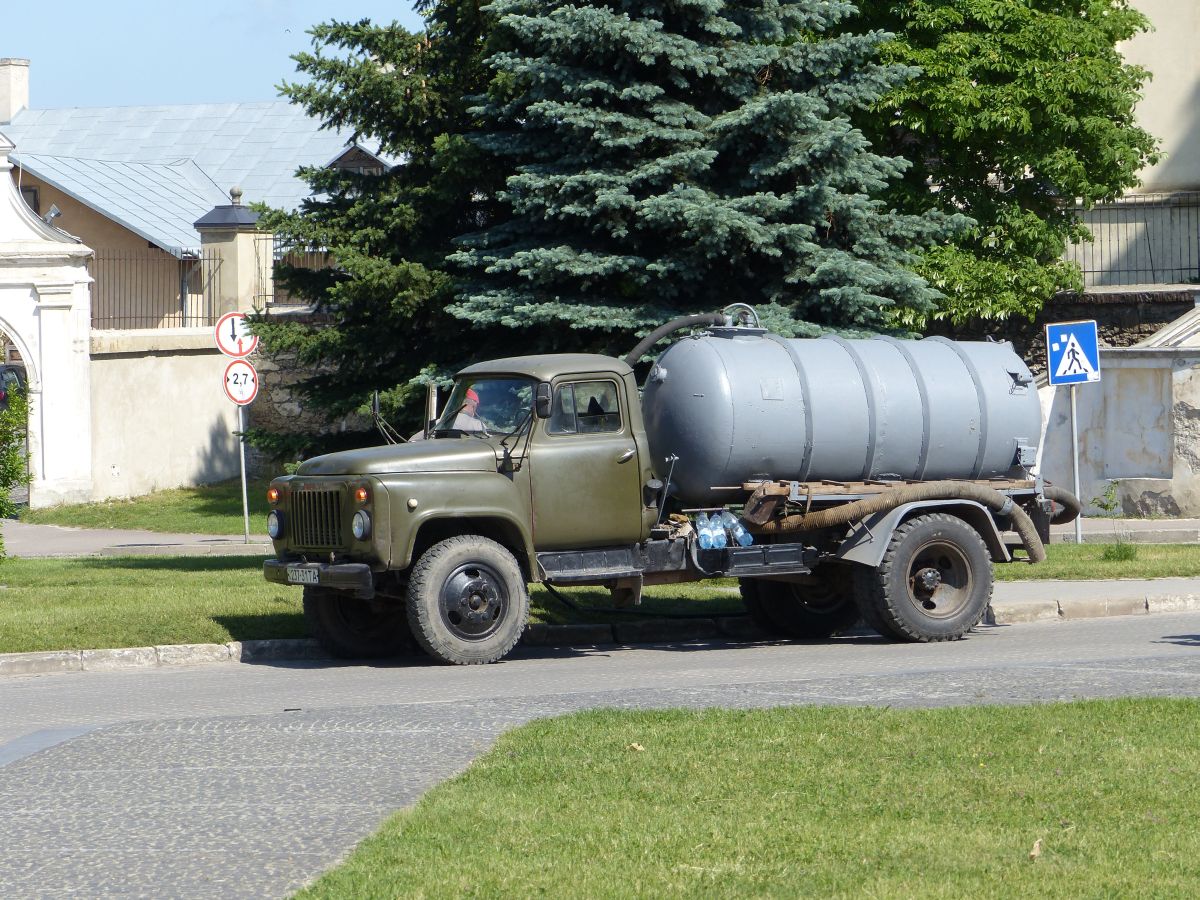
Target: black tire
pixel 934 584
pixel 350 628
pixel 467 603
pixel 800 611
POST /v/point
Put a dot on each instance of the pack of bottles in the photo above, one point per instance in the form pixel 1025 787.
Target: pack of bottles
pixel 714 532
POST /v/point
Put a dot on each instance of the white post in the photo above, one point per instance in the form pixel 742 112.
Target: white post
pixel 1075 460
pixel 242 454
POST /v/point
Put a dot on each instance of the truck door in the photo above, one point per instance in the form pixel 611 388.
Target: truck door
pixel 586 474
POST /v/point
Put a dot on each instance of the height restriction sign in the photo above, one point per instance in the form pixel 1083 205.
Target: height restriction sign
pixel 241 382
pixel 234 337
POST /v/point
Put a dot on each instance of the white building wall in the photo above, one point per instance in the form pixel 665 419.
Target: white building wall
pixel 1170 109
pixel 160 417
pixel 1139 426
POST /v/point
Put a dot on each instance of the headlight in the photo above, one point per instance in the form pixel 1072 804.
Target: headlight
pixel 361 526
pixel 274 524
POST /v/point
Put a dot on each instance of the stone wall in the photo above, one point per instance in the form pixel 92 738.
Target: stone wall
pixel 1123 318
pixel 280 408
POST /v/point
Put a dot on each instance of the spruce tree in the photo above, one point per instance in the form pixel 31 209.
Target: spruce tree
pixel 381 300
pixel 675 156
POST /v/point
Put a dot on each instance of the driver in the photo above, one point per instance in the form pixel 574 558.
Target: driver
pixel 467 418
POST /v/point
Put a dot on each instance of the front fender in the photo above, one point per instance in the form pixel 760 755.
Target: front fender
pixel 467 497
pixel 868 538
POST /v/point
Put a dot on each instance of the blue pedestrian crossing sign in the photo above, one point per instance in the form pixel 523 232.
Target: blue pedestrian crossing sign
pixel 1072 353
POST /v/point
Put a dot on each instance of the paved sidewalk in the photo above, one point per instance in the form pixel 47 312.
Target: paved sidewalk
pixel 1142 531
pixel 21 539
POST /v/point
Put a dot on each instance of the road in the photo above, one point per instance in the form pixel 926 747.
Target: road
pixel 247 781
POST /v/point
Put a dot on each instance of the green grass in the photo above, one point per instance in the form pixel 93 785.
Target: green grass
pixel 209 509
pixel 101 602
pixel 1088 562
pixel 136 601
pixel 809 802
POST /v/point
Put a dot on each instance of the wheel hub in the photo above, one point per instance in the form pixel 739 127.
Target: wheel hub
pixel 928 579
pixel 473 602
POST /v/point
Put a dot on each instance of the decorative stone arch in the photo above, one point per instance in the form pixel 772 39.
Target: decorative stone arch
pixel 45 309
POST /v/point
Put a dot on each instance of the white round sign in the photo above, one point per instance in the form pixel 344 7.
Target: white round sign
pixel 241 382
pixel 234 337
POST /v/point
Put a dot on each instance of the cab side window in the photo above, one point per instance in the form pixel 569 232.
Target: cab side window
pixel 585 407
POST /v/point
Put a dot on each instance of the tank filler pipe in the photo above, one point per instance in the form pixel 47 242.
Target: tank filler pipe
pixel 934 490
pixel 674 325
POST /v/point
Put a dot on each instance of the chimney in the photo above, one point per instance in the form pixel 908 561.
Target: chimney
pixel 14 87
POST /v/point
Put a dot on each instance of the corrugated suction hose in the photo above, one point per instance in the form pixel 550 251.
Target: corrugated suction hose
pixel 933 490
pixel 1071 507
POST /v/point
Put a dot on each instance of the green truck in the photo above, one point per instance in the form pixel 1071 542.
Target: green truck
pixel 836 480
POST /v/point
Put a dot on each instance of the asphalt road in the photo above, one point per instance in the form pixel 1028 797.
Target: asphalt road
pixel 249 780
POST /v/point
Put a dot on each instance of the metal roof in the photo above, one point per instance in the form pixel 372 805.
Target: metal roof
pixel 157 169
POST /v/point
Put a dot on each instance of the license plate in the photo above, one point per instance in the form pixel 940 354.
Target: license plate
pixel 298 575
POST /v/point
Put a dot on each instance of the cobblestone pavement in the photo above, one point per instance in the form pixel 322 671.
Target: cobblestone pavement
pixel 248 781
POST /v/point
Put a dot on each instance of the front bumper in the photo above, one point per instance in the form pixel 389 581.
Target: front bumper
pixel 354 577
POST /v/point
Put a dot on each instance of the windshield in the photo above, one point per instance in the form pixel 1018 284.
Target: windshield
pixel 489 405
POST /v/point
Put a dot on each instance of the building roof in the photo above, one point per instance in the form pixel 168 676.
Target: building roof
pixel 157 169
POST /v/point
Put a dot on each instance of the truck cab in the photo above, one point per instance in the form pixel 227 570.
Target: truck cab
pixel 534 455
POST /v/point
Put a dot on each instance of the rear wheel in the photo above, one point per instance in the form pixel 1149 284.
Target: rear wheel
pixel 934 584
pixel 351 628
pixel 467 602
pixel 800 610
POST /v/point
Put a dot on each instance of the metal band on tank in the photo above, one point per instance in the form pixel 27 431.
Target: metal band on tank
pixel 923 460
pixel 805 398
pixel 983 411
pixel 872 400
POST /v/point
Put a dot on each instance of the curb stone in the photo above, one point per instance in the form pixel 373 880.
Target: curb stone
pixel 649 631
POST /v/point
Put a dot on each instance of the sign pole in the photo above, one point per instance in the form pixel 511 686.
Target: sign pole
pixel 242 449
pixel 1075 459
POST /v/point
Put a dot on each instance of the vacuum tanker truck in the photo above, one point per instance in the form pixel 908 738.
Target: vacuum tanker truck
pixel 837 480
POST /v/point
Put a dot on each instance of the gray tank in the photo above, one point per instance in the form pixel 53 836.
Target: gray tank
pixel 738 404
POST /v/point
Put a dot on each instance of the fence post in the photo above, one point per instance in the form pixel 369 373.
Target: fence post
pixel 230 231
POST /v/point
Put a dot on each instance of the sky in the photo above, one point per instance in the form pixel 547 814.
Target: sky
pixel 136 53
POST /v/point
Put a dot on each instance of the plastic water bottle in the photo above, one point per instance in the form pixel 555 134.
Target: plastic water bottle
pixel 737 530
pixel 704 531
pixel 719 540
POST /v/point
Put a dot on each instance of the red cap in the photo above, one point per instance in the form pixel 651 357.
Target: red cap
pixel 471 395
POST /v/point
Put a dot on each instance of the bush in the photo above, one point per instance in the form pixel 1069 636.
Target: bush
pixel 13 470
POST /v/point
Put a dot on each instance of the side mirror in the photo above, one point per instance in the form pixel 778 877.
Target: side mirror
pixel 541 404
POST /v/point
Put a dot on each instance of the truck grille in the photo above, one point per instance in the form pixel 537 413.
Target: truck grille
pixel 317 518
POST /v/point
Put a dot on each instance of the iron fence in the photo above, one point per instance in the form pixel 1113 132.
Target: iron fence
pixel 1141 239
pixel 153 289
pixel 269 251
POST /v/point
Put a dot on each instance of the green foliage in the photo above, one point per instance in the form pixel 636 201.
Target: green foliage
pixel 1021 108
pixel 675 157
pixel 380 303
pixel 13 470
pixel 1121 549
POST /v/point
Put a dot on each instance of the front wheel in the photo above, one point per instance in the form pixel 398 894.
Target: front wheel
pixel 351 628
pixel 467 602
pixel 934 584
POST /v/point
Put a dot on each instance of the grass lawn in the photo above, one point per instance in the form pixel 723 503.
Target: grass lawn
pixel 100 602
pixel 211 509
pixel 809 801
pixel 1086 562
pixel 135 601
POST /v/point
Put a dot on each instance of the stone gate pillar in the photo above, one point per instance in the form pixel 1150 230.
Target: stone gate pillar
pixel 45 308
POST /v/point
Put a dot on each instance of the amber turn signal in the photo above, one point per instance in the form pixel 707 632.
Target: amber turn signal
pixel 361 495
pixel 273 495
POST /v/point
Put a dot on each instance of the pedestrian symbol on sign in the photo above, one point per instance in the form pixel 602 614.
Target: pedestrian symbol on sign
pixel 1074 361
